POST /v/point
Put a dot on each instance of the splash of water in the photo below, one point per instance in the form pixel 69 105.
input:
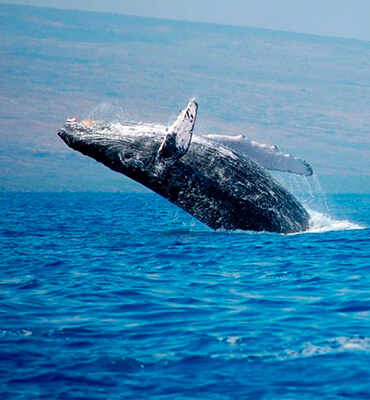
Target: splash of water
pixel 111 111
pixel 307 189
pixel 310 193
pixel 320 222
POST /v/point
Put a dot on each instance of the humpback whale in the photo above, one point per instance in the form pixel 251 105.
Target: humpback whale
pixel 216 183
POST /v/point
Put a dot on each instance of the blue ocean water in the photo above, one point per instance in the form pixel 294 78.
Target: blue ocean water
pixel 123 296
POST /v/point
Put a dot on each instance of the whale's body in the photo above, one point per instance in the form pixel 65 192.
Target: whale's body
pixel 219 186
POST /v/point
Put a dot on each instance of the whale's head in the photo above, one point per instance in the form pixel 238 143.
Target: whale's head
pixel 140 151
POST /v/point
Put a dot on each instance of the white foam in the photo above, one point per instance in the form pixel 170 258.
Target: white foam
pixel 320 222
pixel 335 345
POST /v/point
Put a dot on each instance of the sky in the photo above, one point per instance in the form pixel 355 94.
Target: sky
pixel 340 18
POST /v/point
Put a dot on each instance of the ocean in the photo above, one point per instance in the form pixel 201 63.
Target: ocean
pixel 124 296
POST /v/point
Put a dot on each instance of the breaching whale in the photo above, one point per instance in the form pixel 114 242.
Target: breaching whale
pixel 214 182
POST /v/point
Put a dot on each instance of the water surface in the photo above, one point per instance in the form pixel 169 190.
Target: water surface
pixel 115 296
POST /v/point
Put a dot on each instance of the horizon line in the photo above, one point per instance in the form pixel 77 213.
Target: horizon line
pixel 237 26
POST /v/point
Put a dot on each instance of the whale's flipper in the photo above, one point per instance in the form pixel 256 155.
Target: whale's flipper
pixel 179 134
pixel 268 156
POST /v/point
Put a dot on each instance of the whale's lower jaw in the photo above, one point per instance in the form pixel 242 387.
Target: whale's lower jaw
pixel 220 187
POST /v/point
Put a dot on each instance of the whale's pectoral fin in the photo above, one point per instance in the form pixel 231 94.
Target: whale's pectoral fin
pixel 179 134
pixel 270 157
